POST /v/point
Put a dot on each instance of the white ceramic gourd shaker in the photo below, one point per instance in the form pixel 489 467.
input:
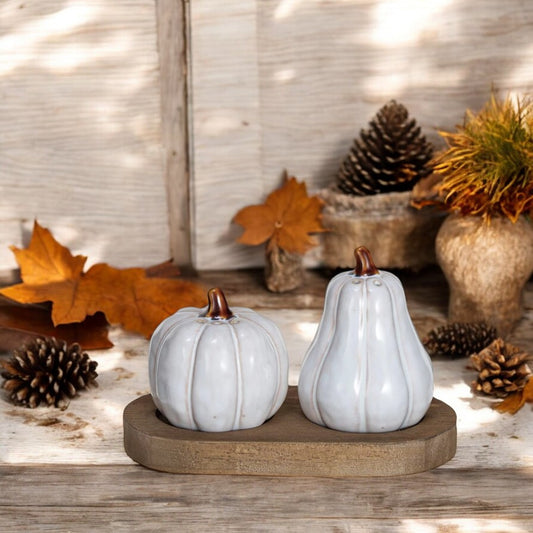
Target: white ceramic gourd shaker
pixel 366 369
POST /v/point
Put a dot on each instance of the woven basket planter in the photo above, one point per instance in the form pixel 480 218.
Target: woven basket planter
pixel 398 235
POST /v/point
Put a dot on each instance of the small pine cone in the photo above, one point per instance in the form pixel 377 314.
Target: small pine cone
pixel 502 369
pixel 392 155
pixel 459 339
pixel 47 371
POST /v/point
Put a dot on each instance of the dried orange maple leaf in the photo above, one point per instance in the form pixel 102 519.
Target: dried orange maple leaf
pixel 127 296
pixel 285 220
pixel 515 401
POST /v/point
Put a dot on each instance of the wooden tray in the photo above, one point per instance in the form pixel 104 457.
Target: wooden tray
pixel 288 444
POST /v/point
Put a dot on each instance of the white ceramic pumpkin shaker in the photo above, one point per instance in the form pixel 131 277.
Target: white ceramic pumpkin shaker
pixel 214 369
pixel 366 370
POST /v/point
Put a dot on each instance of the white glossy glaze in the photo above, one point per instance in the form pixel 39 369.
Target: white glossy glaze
pixel 218 374
pixel 366 369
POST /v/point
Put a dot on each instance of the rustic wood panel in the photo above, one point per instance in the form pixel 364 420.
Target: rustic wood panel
pixel 315 73
pixel 171 33
pixel 81 129
pixel 225 129
pixel 136 499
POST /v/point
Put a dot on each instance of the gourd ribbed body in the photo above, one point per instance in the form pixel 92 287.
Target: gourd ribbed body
pixel 366 369
pixel 218 375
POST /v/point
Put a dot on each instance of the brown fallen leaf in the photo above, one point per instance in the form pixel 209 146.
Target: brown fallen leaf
pixel 167 269
pixel 284 220
pixel 515 401
pixel 427 192
pixel 127 296
pixel 20 324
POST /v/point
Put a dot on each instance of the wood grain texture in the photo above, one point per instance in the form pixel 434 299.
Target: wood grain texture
pixel 289 445
pixel 172 46
pixel 80 126
pixel 247 287
pixel 66 471
pixel 225 128
pixel 315 73
pixel 133 498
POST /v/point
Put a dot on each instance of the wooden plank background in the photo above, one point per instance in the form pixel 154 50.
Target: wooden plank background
pixel 93 105
pixel 171 32
pixel 225 126
pixel 287 84
pixel 80 129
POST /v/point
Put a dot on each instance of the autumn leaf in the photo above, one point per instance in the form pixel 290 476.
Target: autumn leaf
pixel 127 297
pixel 22 323
pixel 515 401
pixel 285 220
pixel 427 192
pixel 163 270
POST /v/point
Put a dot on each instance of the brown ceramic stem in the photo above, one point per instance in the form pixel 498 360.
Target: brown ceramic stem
pixel 217 308
pixel 364 264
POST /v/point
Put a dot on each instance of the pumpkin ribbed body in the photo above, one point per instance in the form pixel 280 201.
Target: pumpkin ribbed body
pixel 215 374
pixel 366 369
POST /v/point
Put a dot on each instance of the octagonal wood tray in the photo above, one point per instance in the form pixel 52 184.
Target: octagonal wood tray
pixel 289 445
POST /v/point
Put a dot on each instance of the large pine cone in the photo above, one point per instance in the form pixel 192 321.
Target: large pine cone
pixel 47 371
pixel 391 155
pixel 502 369
pixel 459 339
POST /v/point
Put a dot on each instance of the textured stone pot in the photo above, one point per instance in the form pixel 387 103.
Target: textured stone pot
pixel 487 266
pixel 398 235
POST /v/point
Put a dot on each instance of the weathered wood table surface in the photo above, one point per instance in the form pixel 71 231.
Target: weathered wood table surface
pixel 67 470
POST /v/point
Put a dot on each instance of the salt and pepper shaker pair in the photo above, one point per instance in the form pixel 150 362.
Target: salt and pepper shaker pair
pixel 366 371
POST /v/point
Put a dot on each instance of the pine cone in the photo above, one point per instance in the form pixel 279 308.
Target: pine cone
pixel 502 369
pixel 391 155
pixel 48 371
pixel 459 339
